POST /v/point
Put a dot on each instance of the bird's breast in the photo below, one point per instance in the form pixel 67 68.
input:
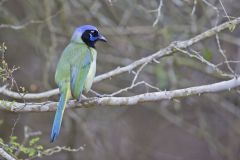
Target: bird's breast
pixel 92 72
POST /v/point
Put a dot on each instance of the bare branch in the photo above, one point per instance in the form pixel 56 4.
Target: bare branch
pixel 223 54
pixel 116 101
pixel 23 26
pixel 159 54
pixel 201 59
pixel 168 50
pixel 57 149
pixel 5 155
pixel 215 8
pixel 194 7
pixel 159 13
pixel 224 10
pixel 17 95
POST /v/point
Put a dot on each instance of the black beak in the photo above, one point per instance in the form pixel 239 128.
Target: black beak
pixel 102 38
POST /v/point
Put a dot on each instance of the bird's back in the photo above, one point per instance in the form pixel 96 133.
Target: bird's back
pixel 74 56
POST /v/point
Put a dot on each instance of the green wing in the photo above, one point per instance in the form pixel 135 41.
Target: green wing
pixel 79 72
pixel 73 67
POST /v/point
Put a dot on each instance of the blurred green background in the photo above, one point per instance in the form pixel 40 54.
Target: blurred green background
pixel 197 127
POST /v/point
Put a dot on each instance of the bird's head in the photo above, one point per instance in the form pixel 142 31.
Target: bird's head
pixel 88 34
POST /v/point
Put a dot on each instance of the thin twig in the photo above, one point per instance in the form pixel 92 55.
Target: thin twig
pixel 223 54
pixel 201 59
pixel 57 149
pixel 224 10
pixel 159 13
pixel 23 26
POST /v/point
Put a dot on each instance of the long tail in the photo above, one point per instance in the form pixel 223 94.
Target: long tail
pixel 58 116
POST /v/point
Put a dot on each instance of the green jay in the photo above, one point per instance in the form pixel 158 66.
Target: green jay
pixel 75 70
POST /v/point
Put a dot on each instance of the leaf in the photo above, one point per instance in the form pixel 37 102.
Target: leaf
pixel 33 141
pixel 39 147
pixel 1 140
pixel 24 149
pixel 207 54
pixel 13 138
pixel 32 152
pixel 231 27
pixel 162 76
pixel 15 144
pixel 23 89
pixel 8 149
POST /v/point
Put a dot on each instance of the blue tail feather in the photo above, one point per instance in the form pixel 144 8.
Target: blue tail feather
pixel 58 118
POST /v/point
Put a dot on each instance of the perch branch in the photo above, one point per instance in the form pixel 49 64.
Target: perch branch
pixel 5 155
pixel 116 101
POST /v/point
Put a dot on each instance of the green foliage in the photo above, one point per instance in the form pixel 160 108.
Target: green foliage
pixel 162 76
pixel 5 71
pixel 167 33
pixel 207 54
pixel 231 27
pixel 7 104
pixel 15 148
pixel 33 141
pixel 3 48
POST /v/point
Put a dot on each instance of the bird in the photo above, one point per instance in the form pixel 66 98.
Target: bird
pixel 75 70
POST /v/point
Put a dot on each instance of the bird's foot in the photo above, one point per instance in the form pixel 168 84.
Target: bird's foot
pixel 81 98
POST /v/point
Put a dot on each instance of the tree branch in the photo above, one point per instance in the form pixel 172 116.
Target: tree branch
pixel 159 54
pixel 5 155
pixel 23 26
pixel 116 101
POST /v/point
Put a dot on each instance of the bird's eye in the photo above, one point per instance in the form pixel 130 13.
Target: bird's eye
pixel 94 33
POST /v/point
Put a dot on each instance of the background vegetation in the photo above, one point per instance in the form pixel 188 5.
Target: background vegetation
pixel 33 35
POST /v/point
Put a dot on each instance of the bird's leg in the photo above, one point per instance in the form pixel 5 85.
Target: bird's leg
pixel 79 99
pixel 82 98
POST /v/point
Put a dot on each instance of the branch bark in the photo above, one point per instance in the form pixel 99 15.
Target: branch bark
pixel 5 155
pixel 117 101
